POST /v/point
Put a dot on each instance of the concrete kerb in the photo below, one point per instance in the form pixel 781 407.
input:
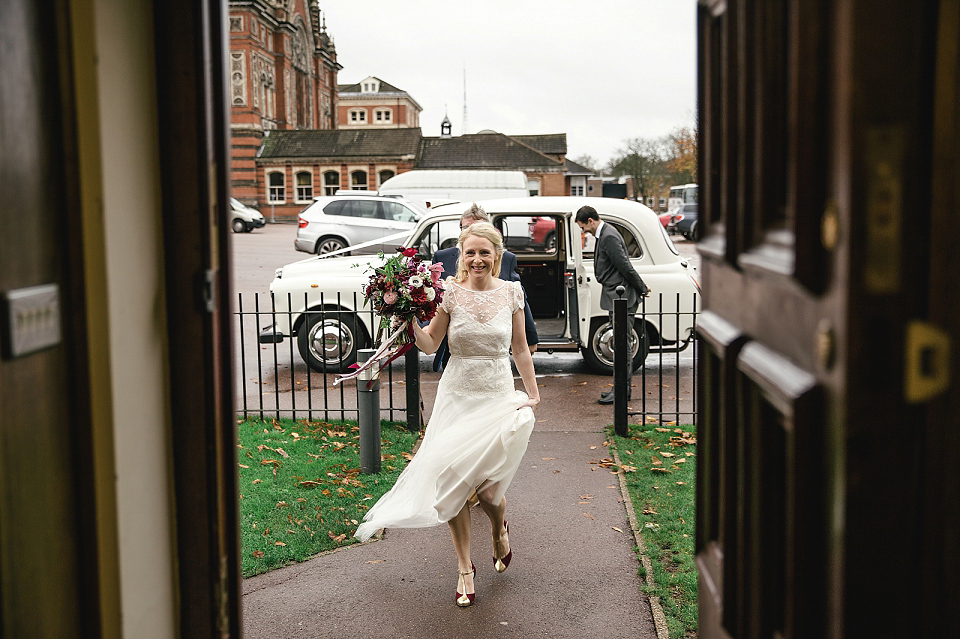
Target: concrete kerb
pixel 659 619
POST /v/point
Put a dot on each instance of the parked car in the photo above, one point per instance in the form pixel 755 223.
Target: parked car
pixel 243 218
pixel 686 224
pixel 318 300
pixel 335 222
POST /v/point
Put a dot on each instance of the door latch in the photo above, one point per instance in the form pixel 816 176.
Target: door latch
pixel 927 362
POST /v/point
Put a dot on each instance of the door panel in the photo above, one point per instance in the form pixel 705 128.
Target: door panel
pixel 821 125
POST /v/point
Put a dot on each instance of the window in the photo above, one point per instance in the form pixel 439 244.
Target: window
pixel 439 235
pixel 577 184
pixel 533 186
pixel 331 182
pixel 650 201
pixel 629 239
pixel 397 212
pixel 358 116
pixel 383 176
pixel 383 115
pixel 304 181
pixel 663 203
pixel 276 187
pixel 358 180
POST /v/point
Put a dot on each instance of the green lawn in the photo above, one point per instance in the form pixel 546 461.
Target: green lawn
pixel 660 469
pixel 301 490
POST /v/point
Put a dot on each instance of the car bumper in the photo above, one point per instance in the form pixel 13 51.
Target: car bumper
pixel 305 245
pixel 257 223
pixel 270 335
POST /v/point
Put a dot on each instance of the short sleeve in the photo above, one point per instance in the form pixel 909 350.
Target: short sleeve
pixel 516 300
pixel 447 303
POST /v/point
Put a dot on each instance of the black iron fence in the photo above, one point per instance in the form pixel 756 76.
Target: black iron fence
pixel 274 379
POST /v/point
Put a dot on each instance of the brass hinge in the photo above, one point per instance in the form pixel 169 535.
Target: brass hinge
pixel 927 372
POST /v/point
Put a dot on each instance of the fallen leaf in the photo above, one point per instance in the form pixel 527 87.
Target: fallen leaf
pixel 617 529
pixel 292 532
pixel 243 466
pixel 586 496
pixel 651 525
pixel 667 455
pixel 283 452
pixel 682 460
pixel 257 554
pixel 681 483
pixel 407 456
pixel 588 515
pixel 662 430
pixel 628 469
pixel 648 510
pixel 593 448
pixel 279 543
pixel 282 504
pixel 375 561
pixel 660 470
pixel 548 458
pixel 256 481
pixel 656 461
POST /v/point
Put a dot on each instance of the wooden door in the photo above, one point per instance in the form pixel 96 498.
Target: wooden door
pixel 828 492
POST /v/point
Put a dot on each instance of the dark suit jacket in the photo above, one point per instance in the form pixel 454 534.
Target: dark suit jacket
pixel 612 267
pixel 508 272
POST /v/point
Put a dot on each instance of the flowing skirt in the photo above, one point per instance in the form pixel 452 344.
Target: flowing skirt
pixel 471 443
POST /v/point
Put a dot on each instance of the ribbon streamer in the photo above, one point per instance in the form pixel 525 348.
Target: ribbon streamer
pixel 383 352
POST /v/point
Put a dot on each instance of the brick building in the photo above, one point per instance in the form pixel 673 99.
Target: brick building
pixel 297 165
pixel 375 104
pixel 283 76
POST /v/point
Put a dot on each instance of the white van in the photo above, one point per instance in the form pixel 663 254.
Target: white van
pixel 431 187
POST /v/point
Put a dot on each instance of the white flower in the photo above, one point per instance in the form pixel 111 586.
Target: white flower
pixel 415 282
pixel 430 293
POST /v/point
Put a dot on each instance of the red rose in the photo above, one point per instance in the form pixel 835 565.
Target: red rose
pixel 408 252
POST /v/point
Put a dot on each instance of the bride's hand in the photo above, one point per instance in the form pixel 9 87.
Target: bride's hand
pixel 531 402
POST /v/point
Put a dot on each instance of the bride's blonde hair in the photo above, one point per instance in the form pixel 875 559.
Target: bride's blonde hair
pixel 488 232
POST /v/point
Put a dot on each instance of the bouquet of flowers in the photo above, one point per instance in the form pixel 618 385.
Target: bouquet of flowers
pixel 402 291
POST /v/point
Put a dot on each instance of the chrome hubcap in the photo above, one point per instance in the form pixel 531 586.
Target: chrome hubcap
pixel 330 341
pixel 603 343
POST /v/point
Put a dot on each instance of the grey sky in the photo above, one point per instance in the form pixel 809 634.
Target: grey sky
pixel 600 71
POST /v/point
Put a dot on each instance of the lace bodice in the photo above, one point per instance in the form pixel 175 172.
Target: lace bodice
pixel 479 335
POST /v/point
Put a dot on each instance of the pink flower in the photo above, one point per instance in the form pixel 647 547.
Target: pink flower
pixel 389 298
pixel 436 272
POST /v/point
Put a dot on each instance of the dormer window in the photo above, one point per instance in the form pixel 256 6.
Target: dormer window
pixel 370 85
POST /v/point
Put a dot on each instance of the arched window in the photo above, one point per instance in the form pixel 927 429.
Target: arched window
pixel 331 182
pixel 276 187
pixel 358 180
pixel 304 182
pixel 383 176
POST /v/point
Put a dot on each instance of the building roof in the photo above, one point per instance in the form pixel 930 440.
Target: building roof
pixel 385 87
pixel 576 169
pixel 309 143
pixel 481 151
pixel 550 143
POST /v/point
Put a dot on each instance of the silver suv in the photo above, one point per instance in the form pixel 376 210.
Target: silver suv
pixel 334 222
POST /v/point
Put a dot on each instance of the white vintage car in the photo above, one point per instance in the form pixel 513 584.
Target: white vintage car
pixel 319 299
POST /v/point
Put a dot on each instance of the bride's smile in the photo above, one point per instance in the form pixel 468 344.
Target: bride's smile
pixel 479 256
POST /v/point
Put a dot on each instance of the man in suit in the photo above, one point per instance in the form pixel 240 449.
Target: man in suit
pixel 612 268
pixel 508 271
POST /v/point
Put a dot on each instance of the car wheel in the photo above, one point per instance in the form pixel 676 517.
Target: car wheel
pixel 329 340
pixel 694 232
pixel 550 243
pixel 238 225
pixel 598 352
pixel 330 244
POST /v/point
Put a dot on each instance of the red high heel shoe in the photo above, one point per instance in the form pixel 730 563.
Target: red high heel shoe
pixel 500 563
pixel 467 598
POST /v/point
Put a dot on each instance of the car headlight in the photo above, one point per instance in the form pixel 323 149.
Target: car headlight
pixel 278 273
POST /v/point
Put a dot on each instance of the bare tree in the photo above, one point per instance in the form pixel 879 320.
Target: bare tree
pixel 644 161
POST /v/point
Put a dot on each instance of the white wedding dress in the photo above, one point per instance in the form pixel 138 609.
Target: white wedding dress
pixel 478 431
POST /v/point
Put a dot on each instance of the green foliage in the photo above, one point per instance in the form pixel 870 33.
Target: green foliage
pixel 660 465
pixel 301 490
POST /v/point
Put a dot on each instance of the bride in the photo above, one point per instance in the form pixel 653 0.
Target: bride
pixel 480 424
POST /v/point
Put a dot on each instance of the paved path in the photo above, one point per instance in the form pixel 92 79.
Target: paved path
pixel 573 574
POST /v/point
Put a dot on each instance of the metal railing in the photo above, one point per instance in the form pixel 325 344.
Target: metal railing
pixel 275 381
